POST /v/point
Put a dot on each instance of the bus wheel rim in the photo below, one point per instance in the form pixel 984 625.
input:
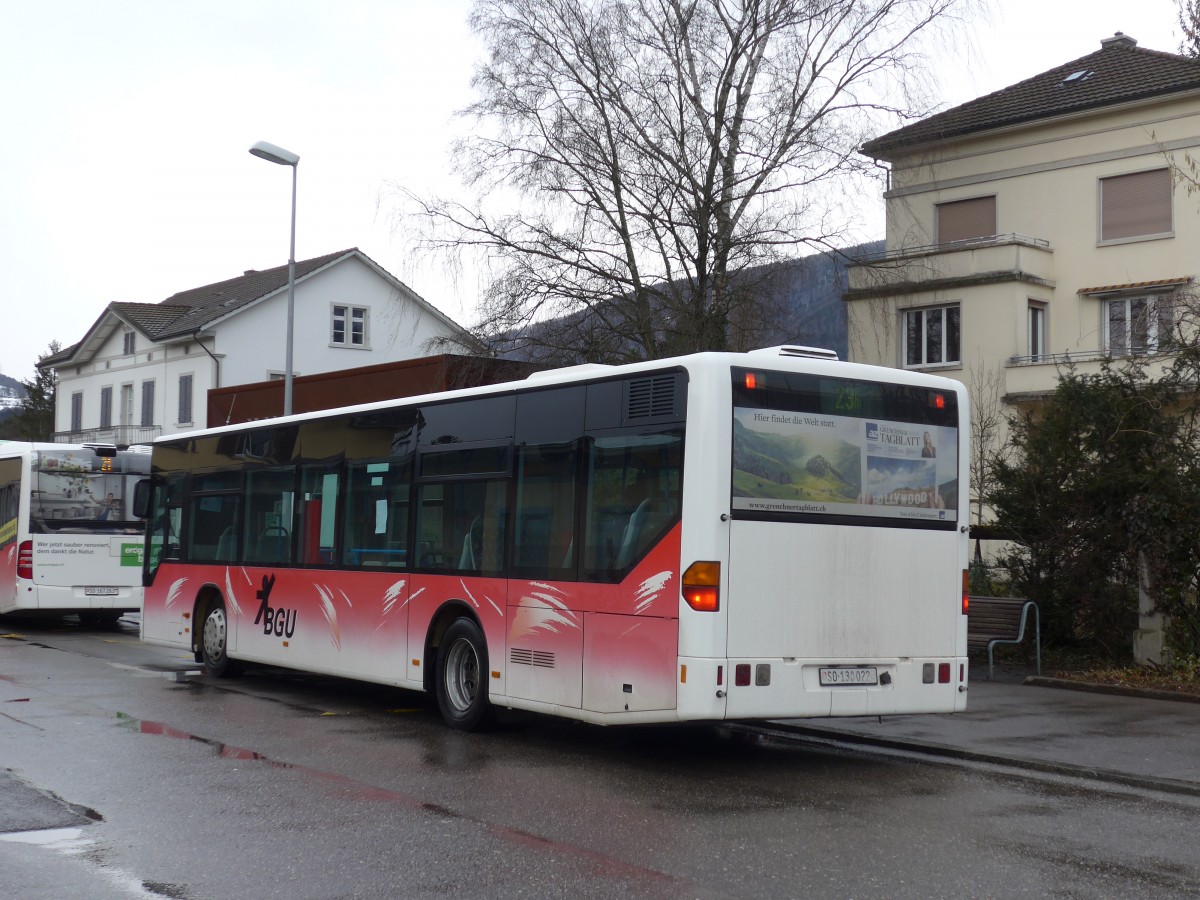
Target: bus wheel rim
pixel 462 675
pixel 214 634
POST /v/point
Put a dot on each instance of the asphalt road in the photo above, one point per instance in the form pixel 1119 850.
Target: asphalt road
pixel 160 782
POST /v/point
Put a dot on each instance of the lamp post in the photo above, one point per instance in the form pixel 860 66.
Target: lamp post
pixel 282 157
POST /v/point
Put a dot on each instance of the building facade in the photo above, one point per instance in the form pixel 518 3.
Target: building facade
pixel 1040 224
pixel 144 369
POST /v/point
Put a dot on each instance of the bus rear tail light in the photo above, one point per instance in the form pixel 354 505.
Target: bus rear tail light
pixel 943 673
pixel 25 560
pixel 702 586
pixel 966 601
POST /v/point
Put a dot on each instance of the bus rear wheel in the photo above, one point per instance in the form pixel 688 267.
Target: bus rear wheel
pixel 461 680
pixel 214 643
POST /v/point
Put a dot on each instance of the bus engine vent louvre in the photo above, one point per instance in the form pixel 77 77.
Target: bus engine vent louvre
pixel 541 658
pixel 651 397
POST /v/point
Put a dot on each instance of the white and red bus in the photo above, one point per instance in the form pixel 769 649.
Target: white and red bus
pixel 717 536
pixel 69 542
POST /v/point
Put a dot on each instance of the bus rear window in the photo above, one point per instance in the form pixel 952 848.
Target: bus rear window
pixel 817 448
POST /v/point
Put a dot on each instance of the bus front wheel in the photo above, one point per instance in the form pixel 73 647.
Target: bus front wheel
pixel 214 643
pixel 461 682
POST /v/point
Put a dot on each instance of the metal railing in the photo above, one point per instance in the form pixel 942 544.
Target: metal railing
pixel 993 240
pixel 121 435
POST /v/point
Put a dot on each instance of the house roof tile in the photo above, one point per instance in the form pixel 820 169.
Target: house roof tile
pixel 1119 72
pixel 196 307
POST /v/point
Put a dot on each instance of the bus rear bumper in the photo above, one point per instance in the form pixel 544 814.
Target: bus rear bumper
pixel 814 688
pixel 78 597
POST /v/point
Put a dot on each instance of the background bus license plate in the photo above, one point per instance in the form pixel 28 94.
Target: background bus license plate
pixel 101 591
pixel 850 675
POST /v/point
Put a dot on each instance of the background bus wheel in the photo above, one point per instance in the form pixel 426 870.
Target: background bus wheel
pixel 99 618
pixel 461 682
pixel 214 641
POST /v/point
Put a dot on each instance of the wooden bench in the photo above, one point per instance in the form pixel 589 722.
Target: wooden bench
pixel 1001 620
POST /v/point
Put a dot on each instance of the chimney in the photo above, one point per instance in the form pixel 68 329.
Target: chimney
pixel 1119 40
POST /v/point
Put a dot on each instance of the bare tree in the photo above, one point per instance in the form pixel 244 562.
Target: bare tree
pixel 1189 25
pixel 653 154
pixel 985 387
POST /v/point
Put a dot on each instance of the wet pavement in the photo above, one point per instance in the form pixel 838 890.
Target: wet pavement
pixel 1126 739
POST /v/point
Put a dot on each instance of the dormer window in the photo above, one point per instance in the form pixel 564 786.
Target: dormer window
pixel 130 343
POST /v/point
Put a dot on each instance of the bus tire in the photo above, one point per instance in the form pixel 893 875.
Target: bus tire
pixel 461 676
pixel 100 618
pixel 214 643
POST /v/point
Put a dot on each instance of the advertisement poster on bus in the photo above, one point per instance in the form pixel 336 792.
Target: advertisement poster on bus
pixel 817 464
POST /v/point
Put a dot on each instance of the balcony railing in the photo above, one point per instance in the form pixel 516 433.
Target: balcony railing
pixel 991 240
pixel 121 435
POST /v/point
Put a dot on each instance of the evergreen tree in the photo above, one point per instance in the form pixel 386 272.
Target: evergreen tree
pixel 35 421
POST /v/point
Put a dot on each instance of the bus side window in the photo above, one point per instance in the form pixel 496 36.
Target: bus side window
pixel 318 514
pixel 633 497
pixel 375 525
pixel 544 543
pixel 270 502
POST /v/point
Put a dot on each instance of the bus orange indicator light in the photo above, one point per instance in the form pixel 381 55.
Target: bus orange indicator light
pixel 702 586
pixel 495 674
pixel 683 674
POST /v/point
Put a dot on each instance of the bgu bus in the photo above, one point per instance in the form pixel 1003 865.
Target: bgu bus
pixel 717 536
pixel 69 540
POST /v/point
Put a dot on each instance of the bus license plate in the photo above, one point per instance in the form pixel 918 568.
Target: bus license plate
pixel 849 675
pixel 101 591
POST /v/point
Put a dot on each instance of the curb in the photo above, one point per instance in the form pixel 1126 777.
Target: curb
pixel 1122 690
pixel 946 751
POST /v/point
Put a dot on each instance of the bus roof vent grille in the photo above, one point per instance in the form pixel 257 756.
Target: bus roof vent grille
pixel 796 350
pixel 651 397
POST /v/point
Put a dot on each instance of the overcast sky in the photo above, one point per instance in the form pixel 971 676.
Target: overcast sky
pixel 124 171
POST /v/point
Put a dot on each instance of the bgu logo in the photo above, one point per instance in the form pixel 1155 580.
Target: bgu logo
pixel 280 622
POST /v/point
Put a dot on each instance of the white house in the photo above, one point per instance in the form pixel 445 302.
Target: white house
pixel 144 369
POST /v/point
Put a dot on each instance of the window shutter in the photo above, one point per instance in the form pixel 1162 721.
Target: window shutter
pixel 147 403
pixel 1135 205
pixel 965 220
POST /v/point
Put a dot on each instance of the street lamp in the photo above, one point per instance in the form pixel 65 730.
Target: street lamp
pixel 282 157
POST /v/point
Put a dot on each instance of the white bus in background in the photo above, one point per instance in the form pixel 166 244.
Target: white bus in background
pixel 69 542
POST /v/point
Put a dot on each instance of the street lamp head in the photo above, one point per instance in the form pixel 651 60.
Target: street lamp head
pixel 274 154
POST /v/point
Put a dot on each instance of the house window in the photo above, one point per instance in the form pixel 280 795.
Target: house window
pixel 130 343
pixel 77 411
pixel 106 407
pixel 1135 325
pixel 147 403
pixel 1037 331
pixel 349 327
pixel 966 220
pixel 126 412
pixel 1134 206
pixel 932 336
pixel 185 399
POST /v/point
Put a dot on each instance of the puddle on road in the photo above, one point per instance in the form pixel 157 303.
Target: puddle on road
pixel 74 842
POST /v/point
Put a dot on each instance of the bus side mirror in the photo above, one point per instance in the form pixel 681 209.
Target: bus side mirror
pixel 141 498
